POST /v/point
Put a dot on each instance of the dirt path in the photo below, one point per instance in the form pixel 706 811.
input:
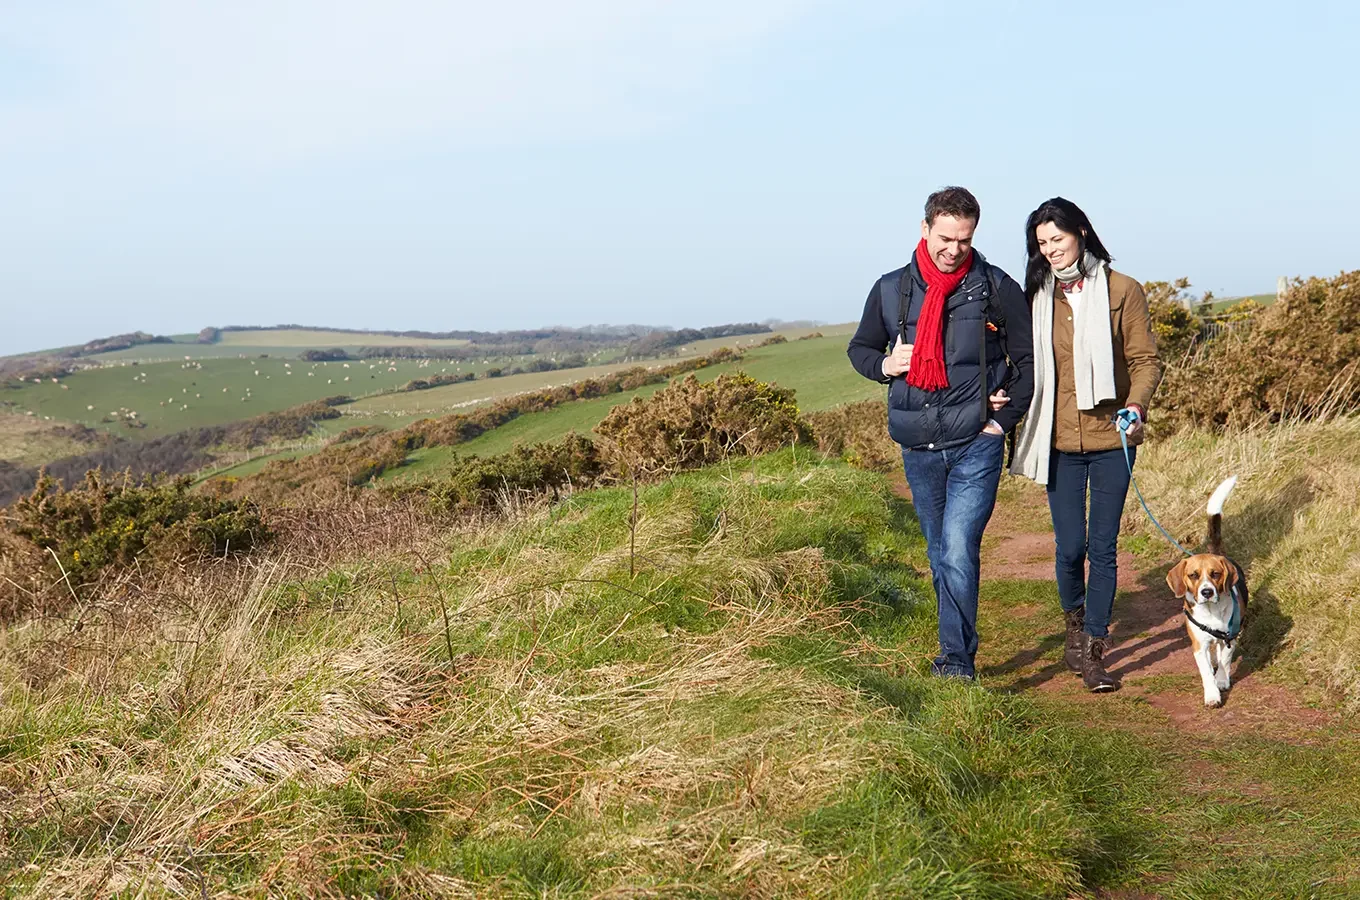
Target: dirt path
pixel 1021 646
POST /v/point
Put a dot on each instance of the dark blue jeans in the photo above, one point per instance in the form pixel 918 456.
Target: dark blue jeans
pixel 954 492
pixel 1079 538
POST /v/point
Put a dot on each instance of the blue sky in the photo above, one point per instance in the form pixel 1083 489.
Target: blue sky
pixel 168 165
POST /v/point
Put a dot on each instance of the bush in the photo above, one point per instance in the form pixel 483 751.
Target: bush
pixel 334 354
pixel 693 423
pixel 357 433
pixel 101 524
pixel 810 336
pixel 1300 358
pixel 858 433
pixel 477 483
pixel 1174 325
pixel 772 340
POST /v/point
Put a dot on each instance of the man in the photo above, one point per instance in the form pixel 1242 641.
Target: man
pixel 960 373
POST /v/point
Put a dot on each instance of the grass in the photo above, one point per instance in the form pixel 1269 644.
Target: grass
pixel 745 716
pixel 1290 522
pixel 31 441
pixel 1267 800
pixel 173 396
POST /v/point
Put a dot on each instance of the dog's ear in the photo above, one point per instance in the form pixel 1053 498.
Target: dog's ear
pixel 1175 579
pixel 1229 573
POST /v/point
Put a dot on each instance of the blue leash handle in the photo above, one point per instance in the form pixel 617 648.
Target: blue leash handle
pixel 1124 419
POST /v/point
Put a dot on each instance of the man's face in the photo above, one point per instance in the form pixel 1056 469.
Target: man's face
pixel 948 241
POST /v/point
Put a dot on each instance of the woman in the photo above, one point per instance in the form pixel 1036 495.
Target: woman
pixel 1094 355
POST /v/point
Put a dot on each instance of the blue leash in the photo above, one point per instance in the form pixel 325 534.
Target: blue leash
pixel 1124 420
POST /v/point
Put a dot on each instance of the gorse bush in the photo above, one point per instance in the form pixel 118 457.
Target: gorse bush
pixel 1300 358
pixel 857 433
pixel 527 471
pixel 693 423
pixel 1174 325
pixel 103 523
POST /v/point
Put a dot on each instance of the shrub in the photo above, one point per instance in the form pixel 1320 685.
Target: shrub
pixel 773 339
pixel 858 433
pixel 477 483
pixel 334 354
pixel 810 335
pixel 1300 358
pixel 1174 325
pixel 101 523
pixel 357 433
pixel 693 423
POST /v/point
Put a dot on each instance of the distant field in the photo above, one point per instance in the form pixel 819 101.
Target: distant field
pixel 303 337
pixel 1219 306
pixel 817 369
pixel 172 396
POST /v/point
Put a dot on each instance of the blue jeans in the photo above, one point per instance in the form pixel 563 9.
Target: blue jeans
pixel 954 492
pixel 1079 539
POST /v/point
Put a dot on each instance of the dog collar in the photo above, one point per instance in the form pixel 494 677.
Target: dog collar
pixel 1234 621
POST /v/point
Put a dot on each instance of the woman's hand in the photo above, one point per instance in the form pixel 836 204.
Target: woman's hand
pixel 998 400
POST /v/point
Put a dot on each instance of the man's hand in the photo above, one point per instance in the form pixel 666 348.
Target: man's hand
pixel 899 361
pixel 999 399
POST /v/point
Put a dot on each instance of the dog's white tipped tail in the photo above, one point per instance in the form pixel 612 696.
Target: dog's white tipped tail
pixel 1220 495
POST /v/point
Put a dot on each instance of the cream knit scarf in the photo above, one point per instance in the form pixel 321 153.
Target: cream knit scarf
pixel 1092 362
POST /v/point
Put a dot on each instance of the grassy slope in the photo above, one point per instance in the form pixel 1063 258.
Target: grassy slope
pixel 31 441
pixel 747 716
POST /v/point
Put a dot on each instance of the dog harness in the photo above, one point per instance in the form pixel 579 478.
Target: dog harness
pixel 1234 621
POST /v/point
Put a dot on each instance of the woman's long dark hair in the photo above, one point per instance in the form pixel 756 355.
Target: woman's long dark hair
pixel 1067 217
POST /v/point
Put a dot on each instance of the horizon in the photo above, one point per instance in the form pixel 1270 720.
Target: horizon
pixel 429 168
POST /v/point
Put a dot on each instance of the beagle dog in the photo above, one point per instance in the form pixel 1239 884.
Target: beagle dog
pixel 1213 590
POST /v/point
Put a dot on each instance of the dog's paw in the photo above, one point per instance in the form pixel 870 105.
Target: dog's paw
pixel 1223 680
pixel 1213 699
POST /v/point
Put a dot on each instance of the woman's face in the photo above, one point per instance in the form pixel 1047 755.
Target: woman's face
pixel 1056 246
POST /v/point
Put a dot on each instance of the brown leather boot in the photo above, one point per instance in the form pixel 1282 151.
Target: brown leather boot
pixel 1076 620
pixel 1093 673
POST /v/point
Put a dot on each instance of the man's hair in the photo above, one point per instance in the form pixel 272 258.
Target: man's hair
pixel 952 201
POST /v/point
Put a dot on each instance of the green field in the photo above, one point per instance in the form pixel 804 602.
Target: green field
pixel 1221 306
pixel 173 396
pixel 817 369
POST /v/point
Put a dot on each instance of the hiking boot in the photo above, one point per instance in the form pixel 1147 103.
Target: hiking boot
pixel 1076 621
pixel 1093 673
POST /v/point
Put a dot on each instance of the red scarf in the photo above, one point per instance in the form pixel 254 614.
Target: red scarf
pixel 927 356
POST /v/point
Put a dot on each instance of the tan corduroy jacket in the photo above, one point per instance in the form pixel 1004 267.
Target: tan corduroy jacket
pixel 1137 369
